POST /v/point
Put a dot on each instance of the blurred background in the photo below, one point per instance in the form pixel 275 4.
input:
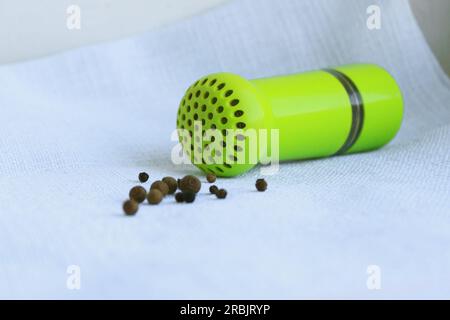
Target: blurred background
pixel 30 29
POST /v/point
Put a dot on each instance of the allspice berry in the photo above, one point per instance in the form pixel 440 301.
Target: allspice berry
pixel 211 178
pixel 190 183
pixel 221 194
pixel 130 207
pixel 138 194
pixel 189 196
pixel 143 177
pixel 161 186
pixel 171 183
pixel 179 197
pixel 155 196
pixel 213 189
pixel 261 185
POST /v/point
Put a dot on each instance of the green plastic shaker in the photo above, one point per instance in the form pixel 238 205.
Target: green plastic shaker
pixel 322 113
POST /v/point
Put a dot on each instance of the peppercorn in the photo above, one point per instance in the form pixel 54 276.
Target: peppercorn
pixel 171 183
pixel 143 177
pixel 179 197
pixel 211 178
pixel 261 185
pixel 190 183
pixel 155 196
pixel 221 194
pixel 130 207
pixel 213 189
pixel 138 194
pixel 161 186
pixel 189 196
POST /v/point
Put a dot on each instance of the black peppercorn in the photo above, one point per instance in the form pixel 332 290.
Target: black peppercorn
pixel 261 185
pixel 190 183
pixel 211 178
pixel 213 189
pixel 130 207
pixel 143 177
pixel 138 194
pixel 161 186
pixel 221 194
pixel 189 196
pixel 154 196
pixel 171 183
pixel 179 197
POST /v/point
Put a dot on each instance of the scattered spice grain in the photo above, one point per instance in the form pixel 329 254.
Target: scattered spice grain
pixel 211 178
pixel 190 183
pixel 213 189
pixel 179 197
pixel 171 183
pixel 189 196
pixel 221 194
pixel 261 185
pixel 138 194
pixel 130 207
pixel 161 186
pixel 155 196
pixel 143 177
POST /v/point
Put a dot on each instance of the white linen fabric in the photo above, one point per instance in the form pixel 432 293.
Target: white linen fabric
pixel 76 129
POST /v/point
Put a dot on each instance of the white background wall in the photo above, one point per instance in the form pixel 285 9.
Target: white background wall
pixel 434 18
pixel 32 28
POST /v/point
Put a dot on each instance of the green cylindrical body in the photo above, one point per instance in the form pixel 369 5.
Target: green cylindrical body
pixel 313 111
pixel 321 113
